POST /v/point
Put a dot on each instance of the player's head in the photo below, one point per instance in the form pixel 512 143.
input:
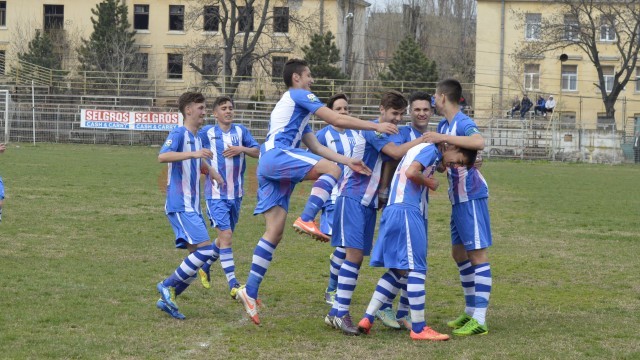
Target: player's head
pixel 420 109
pixel 392 106
pixel 296 74
pixel 339 103
pixel 191 104
pixel 454 156
pixel 448 91
pixel 223 110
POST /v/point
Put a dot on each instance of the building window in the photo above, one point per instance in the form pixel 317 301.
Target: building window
pixel 141 17
pixel 607 31
pixel 2 62
pixel 245 19
pixel 533 23
pixel 277 67
pixel 571 28
pixel 174 66
pixel 608 73
pixel 570 77
pixel 53 17
pixel 281 19
pixel 210 64
pixel 176 17
pixel 211 18
pixel 638 79
pixel 532 77
pixel 605 122
pixel 3 13
pixel 142 63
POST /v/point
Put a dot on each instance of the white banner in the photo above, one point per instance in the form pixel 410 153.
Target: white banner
pixel 129 120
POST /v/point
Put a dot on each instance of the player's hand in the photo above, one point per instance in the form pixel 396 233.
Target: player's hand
pixel 383 198
pixel 3 147
pixel 433 137
pixel 359 166
pixel 232 151
pixel 214 176
pixel 203 154
pixel 433 183
pixel 387 128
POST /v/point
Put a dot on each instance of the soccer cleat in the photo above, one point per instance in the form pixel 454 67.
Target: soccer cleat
pixel 429 334
pixel 459 321
pixel 168 295
pixel 405 322
pixel 250 305
pixel 205 278
pixel 310 228
pixel 365 326
pixel 169 310
pixel 330 296
pixel 344 323
pixel 388 318
pixel 472 327
pixel 329 320
pixel 234 290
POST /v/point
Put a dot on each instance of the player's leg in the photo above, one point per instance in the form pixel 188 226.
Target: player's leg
pixel 416 293
pixel 225 234
pixel 465 269
pixel 335 262
pixel 1 197
pixel 327 174
pixel 387 287
pixel 403 315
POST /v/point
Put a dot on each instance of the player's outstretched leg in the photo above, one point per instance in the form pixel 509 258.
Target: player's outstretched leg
pixel 320 193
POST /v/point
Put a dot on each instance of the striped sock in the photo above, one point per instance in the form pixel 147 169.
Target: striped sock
pixel 337 258
pixel 416 294
pixel 216 254
pixel 403 304
pixel 385 292
pixel 189 267
pixel 468 285
pixel 262 256
pixel 183 285
pixel 347 280
pixel 228 266
pixel 319 195
pixel 483 282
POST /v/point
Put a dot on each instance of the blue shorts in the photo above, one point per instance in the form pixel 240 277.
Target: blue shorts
pixel 402 239
pixel 224 213
pixel 470 225
pixel 189 228
pixel 1 189
pixel 326 219
pixel 279 170
pixel 353 225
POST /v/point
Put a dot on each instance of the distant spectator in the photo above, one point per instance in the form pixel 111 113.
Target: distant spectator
pixel 525 106
pixel 636 148
pixel 515 106
pixel 540 106
pixel 549 105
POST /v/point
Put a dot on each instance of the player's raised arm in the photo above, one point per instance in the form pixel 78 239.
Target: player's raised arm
pixel 310 140
pixel 349 122
pixel 472 142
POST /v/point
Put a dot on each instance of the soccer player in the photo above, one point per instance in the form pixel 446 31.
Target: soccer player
pixel 470 225
pixel 355 218
pixel 420 110
pixel 183 152
pixel 341 141
pixel 229 144
pixel 402 240
pixel 282 165
pixel 3 147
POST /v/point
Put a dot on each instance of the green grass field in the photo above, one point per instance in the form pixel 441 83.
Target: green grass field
pixel 84 240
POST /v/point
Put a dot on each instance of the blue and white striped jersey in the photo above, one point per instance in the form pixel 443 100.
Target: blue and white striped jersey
pixel 368 147
pixel 231 169
pixel 183 187
pixel 464 184
pixel 340 142
pixel 408 133
pixel 405 191
pixel 290 119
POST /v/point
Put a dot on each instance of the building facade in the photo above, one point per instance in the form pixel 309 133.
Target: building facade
pixel 503 72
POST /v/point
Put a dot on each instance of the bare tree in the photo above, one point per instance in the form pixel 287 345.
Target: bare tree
pixel 243 34
pixel 590 26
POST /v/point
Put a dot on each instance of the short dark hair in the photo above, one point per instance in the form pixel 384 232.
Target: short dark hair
pixel 419 95
pixel 293 66
pixel 451 89
pixel 393 99
pixel 336 97
pixel 221 100
pixel 188 98
pixel 470 156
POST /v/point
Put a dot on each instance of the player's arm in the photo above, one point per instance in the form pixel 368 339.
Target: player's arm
pixel 349 122
pixel 414 173
pixel 472 142
pixel 207 169
pixel 3 147
pixel 396 152
pixel 386 175
pixel 174 156
pixel 312 143
pixel 232 151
